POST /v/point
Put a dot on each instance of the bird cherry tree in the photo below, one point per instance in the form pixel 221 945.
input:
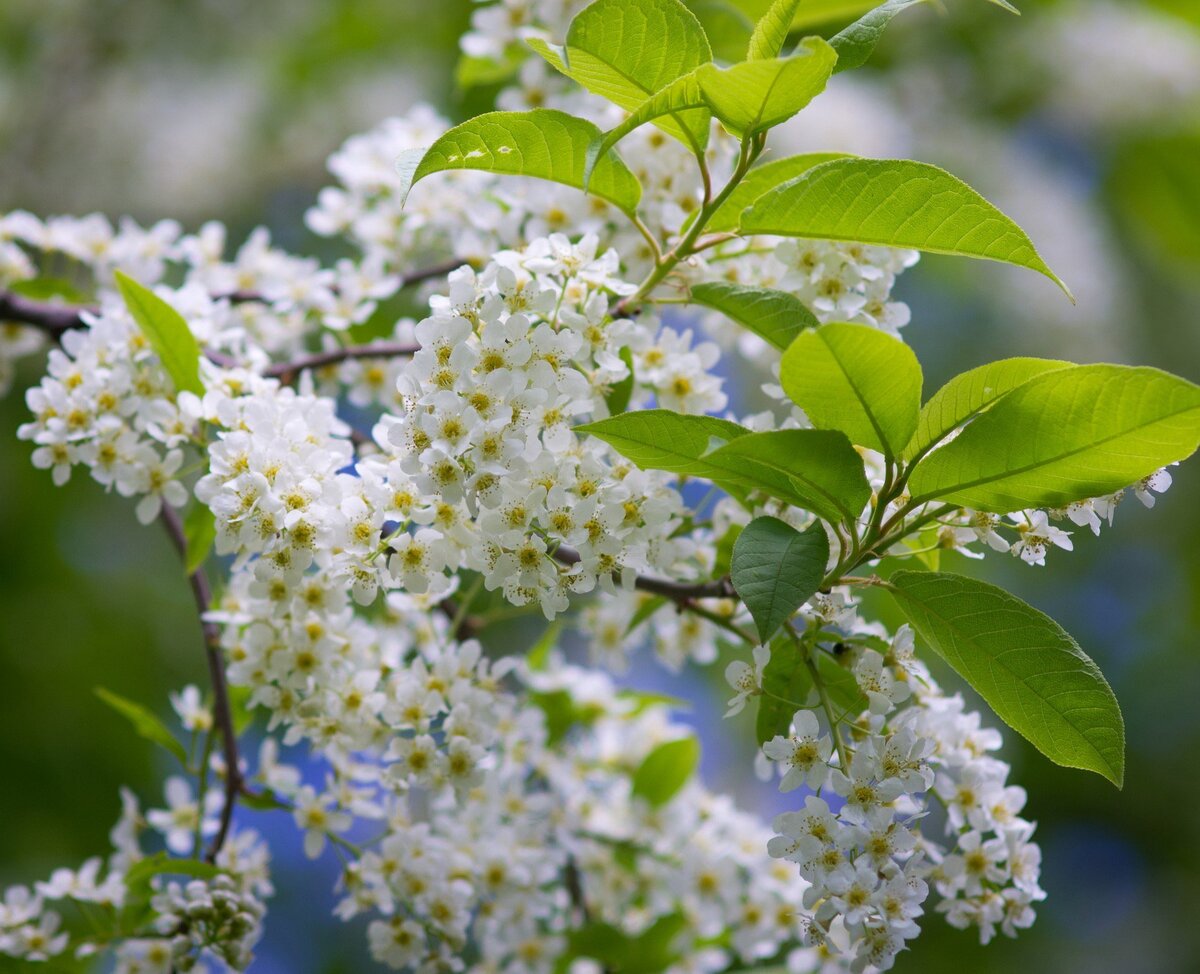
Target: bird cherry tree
pixel 380 496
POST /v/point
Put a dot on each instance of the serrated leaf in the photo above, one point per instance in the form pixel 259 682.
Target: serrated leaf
pixel 776 569
pixel 771 31
pixel 1029 670
pixel 817 470
pixel 665 770
pixel 856 379
pixel 1065 436
pixel 659 439
pixel 542 143
pixel 199 532
pixel 855 43
pixel 144 722
pixel 628 50
pixel 894 203
pixel 619 395
pixel 968 394
pixel 758 181
pixel 776 316
pixel 167 333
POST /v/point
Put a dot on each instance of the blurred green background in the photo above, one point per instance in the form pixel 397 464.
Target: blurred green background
pixel 1081 119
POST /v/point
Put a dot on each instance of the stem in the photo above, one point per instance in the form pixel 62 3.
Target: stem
pixel 805 650
pixel 287 370
pixel 222 714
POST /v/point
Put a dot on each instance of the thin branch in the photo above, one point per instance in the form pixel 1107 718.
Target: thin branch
pixel 678 592
pixel 222 714
pixel 285 370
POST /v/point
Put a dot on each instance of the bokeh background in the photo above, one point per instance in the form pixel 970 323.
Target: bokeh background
pixel 1081 119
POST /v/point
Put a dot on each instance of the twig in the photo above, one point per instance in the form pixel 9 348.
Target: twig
pixel 678 592
pixel 222 714
pixel 284 370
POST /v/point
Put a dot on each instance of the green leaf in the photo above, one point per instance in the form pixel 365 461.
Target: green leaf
pixel 1029 670
pixel 816 12
pixel 539 653
pixel 771 31
pixel 199 532
pixel 857 379
pixel 727 26
pixel 855 43
pixel 144 722
pixel 776 316
pixel 161 864
pixel 618 396
pixel 895 203
pixel 724 552
pixel 167 333
pixel 758 181
pixel 262 800
pixel 968 394
pixel 48 289
pixel 817 470
pixel 776 569
pixel 787 685
pixel 628 50
pixel 543 143
pixel 1154 185
pixel 650 604
pixel 666 769
pixel 472 72
pixel 659 439
pixel 1064 436
pixel 755 96
pixel 563 713
pixel 649 952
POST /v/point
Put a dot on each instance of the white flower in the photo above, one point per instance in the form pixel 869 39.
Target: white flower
pixel 804 755
pixel 746 679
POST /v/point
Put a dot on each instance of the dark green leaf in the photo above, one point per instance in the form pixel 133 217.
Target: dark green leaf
pixel 855 43
pixel 145 723
pixel 776 569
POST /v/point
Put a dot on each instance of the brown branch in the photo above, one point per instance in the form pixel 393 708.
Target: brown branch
pixel 53 319
pixel 681 593
pixel 222 714
pixel 286 371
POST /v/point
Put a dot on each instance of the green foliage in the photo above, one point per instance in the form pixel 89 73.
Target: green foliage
pixel 817 470
pixel 896 203
pixel 856 379
pixel 144 722
pixel 617 399
pixel 666 770
pixel 648 952
pixel 1155 186
pixel 628 50
pixel 542 143
pixel 1029 670
pixel 788 684
pixel 855 43
pixel 199 532
pixel 167 333
pixel 1065 436
pixel 760 179
pixel 776 569
pixel 659 439
pixel 563 714
pixel 48 289
pixel 771 31
pixel 968 394
pixel 776 316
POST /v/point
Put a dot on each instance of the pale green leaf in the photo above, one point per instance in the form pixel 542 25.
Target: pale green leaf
pixel 199 532
pixel 776 569
pixel 968 394
pixel 758 181
pixel 817 470
pixel 666 769
pixel 167 333
pixel 628 50
pixel 659 439
pixel 728 27
pixel 894 203
pixel 543 143
pixel 776 316
pixel 144 722
pixel 617 399
pixel 1029 670
pixel 855 43
pixel 771 31
pixel 1065 436
pixel 856 379
pixel 649 952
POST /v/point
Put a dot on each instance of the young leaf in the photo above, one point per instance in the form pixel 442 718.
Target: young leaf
pixel 896 203
pixel 813 13
pixel 167 333
pixel 199 531
pixel 543 143
pixel 659 439
pixel 666 770
pixel 758 181
pixel 776 316
pixel 968 394
pixel 618 396
pixel 855 43
pixel 145 723
pixel 1029 670
pixel 628 50
pixel 815 469
pixel 776 569
pixel 771 31
pixel 857 379
pixel 1064 436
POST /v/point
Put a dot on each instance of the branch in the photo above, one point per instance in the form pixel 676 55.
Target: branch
pixel 222 714
pixel 287 370
pixel 682 593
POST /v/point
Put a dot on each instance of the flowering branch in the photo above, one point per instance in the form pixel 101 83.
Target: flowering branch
pixel 287 370
pixel 682 593
pixel 222 714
